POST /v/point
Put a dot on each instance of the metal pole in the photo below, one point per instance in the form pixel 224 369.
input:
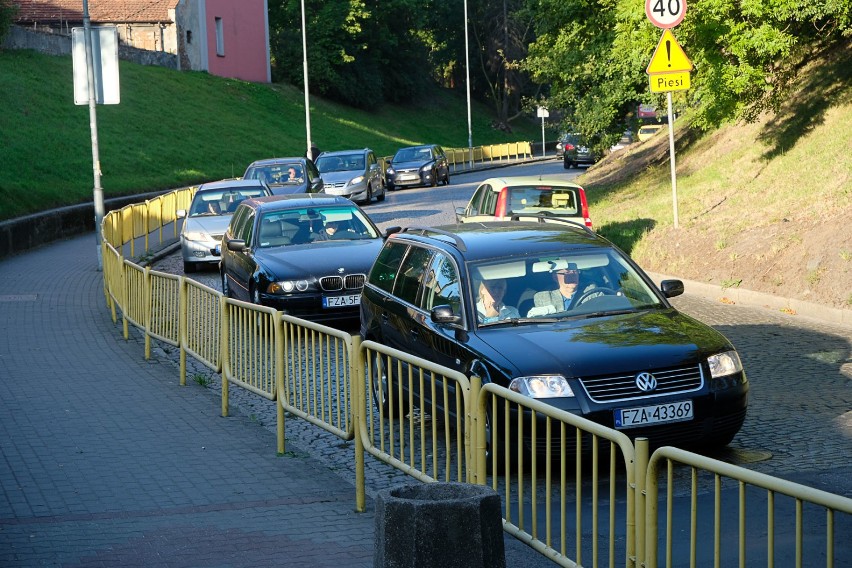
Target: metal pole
pixel 305 69
pixel 467 84
pixel 93 126
pixel 543 153
pixel 672 160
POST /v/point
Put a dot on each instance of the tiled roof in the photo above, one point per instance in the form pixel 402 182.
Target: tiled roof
pixel 44 11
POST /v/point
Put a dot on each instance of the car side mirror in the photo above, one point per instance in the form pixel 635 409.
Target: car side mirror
pixel 180 213
pixel 237 245
pixel 391 230
pixel 444 314
pixel 460 212
pixel 671 288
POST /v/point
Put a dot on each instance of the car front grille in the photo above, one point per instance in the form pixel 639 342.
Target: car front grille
pixel 348 282
pixel 608 388
pixel 336 185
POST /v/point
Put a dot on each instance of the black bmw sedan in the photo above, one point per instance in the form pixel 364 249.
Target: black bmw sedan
pixel 306 255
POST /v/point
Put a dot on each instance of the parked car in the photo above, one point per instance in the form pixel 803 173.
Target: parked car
pixel 355 174
pixel 486 299
pixel 648 130
pixel 286 175
pixel 623 142
pixel 306 255
pixel 574 152
pixel 208 216
pixel 498 199
pixel 418 165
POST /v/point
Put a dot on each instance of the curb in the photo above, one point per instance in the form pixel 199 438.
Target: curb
pixel 787 306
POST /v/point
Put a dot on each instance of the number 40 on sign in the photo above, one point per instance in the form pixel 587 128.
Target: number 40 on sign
pixel 665 13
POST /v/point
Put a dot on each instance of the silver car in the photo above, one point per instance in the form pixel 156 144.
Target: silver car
pixel 208 216
pixel 355 174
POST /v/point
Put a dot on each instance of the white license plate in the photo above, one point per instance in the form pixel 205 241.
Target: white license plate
pixel 655 414
pixel 408 177
pixel 341 301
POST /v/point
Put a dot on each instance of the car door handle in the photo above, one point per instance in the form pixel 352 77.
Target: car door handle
pixel 415 334
pixel 384 318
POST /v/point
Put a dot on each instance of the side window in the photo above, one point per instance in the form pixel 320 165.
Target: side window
pixel 246 228
pixel 236 222
pixel 441 287
pixel 489 202
pixel 476 202
pixel 385 267
pixel 412 272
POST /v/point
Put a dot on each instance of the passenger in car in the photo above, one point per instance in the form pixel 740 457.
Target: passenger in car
pixel 490 306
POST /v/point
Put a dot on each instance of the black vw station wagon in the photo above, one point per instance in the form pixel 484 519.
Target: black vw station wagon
pixel 555 312
pixel 306 255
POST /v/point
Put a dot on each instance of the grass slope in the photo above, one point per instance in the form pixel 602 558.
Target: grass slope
pixel 764 206
pixel 173 129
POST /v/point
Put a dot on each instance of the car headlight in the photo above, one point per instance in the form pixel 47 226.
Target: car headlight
pixel 196 236
pixel 544 386
pixel 723 364
pixel 287 286
pixel 358 179
pixel 426 169
pixel 390 171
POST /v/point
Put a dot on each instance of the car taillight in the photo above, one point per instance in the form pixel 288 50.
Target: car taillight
pixel 502 198
pixel 584 206
pixel 569 147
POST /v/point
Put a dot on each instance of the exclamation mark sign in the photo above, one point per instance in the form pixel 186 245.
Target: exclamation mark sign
pixel 669 52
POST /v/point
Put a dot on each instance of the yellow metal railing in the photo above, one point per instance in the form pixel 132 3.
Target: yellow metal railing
pixel 738 525
pixel 200 324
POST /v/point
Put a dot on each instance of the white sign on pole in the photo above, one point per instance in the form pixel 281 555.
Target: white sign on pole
pixel 105 62
pixel 665 13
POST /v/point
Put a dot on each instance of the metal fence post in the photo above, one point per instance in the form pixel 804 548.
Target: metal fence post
pixel 226 355
pixel 359 401
pixel 641 476
pixel 281 392
pixel 472 437
pixel 182 329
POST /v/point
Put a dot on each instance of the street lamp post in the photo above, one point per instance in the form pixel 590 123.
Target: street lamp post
pixel 467 84
pixel 305 70
pixel 98 192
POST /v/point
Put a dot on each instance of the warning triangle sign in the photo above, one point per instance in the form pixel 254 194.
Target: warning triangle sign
pixel 669 56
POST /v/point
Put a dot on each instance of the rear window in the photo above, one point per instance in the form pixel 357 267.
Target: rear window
pixel 385 267
pixel 532 200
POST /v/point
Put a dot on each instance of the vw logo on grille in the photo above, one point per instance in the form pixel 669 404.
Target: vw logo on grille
pixel 646 382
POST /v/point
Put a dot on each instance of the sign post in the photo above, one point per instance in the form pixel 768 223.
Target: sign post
pixel 669 68
pixel 543 113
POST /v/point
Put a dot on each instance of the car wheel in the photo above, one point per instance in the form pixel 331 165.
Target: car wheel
pixel 189 267
pixel 434 178
pixel 567 164
pixel 226 289
pixel 369 198
pixel 381 196
pixel 391 187
pixel 447 177
pixel 381 384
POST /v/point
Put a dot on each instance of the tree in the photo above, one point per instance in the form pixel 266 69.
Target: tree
pixel 8 10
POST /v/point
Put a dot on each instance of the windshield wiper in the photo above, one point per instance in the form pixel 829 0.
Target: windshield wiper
pixel 518 321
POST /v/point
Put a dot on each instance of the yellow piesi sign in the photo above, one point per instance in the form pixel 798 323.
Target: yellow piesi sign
pixel 669 56
pixel 669 68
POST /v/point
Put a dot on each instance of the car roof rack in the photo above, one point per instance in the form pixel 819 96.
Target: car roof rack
pixel 424 230
pixel 544 217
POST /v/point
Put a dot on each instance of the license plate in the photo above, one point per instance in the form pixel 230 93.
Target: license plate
pixel 409 177
pixel 655 414
pixel 341 301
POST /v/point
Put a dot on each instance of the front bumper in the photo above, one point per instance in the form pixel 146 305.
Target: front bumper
pixel 199 251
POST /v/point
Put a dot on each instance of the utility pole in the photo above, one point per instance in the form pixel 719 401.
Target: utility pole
pixel 93 126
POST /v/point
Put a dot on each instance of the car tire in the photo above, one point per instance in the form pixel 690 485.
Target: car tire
pixel 369 198
pixel 381 382
pixel 382 195
pixel 391 187
pixel 434 181
pixel 567 164
pixel 189 267
pixel 447 177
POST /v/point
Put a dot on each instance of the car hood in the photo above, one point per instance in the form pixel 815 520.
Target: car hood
pixel 625 343
pixel 213 225
pixel 320 258
pixel 412 165
pixel 288 188
pixel 335 177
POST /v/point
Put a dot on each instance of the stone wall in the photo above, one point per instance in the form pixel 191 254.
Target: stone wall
pixel 60 44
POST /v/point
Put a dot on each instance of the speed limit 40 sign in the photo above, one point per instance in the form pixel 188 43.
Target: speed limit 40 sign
pixel 665 13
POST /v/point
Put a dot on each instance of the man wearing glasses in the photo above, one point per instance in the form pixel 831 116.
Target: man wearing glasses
pixel 552 301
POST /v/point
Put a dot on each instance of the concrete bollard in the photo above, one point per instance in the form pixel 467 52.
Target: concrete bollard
pixel 444 525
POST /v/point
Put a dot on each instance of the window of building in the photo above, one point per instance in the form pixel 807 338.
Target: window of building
pixel 220 38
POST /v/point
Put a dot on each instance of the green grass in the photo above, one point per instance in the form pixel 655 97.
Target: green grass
pixel 174 129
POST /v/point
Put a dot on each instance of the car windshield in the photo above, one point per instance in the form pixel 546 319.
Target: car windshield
pixel 413 155
pixel 313 224
pixel 556 286
pixel 277 174
pixel 536 199
pixel 222 201
pixel 341 163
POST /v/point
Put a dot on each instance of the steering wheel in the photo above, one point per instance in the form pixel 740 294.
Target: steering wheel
pixel 594 293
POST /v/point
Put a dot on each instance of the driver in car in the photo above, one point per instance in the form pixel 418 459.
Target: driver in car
pixel 561 299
